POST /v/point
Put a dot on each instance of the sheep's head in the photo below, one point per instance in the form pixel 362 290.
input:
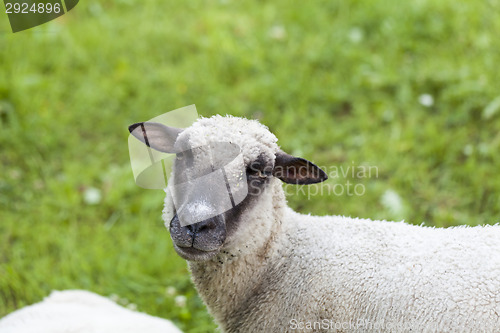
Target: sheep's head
pixel 223 167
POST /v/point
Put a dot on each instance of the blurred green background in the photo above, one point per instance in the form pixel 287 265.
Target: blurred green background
pixel 411 88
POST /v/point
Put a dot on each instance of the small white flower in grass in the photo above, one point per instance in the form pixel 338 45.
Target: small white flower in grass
pixel 277 32
pixel 132 307
pixel 483 149
pixel 123 301
pixel 426 100
pixel 92 196
pixel 170 291
pixel 468 149
pixel 393 203
pixel 114 297
pixel 180 301
pixel 388 115
pixel 356 35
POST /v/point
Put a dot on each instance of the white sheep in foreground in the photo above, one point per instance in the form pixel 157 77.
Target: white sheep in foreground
pixel 261 267
pixel 79 311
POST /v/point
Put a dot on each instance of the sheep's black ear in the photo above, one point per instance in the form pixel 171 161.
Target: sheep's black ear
pixel 156 135
pixel 296 170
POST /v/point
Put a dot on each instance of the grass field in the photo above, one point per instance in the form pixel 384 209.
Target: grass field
pixel 410 88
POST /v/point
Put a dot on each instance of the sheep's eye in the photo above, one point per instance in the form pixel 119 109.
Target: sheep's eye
pixel 257 173
pixel 256 170
pixel 180 156
pixel 260 174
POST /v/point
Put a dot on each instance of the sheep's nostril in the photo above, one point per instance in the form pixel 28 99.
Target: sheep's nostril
pixel 203 226
pixel 191 229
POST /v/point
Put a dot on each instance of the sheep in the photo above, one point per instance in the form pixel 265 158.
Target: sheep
pixel 262 267
pixel 80 311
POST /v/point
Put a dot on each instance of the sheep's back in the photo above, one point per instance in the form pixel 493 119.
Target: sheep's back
pixel 382 272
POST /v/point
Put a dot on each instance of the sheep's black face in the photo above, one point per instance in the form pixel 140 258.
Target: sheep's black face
pixel 203 240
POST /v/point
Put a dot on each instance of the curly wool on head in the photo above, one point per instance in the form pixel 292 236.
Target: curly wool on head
pixel 252 137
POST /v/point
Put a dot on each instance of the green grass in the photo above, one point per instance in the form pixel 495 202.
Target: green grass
pixel 338 82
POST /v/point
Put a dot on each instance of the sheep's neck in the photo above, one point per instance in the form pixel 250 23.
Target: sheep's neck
pixel 228 282
pixel 225 284
pixel 233 277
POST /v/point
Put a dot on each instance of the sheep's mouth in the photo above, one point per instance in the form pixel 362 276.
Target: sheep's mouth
pixel 193 254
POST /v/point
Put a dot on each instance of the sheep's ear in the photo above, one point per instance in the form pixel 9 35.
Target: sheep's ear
pixel 296 170
pixel 156 135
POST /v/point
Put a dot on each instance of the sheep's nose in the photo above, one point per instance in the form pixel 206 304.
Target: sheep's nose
pixel 203 226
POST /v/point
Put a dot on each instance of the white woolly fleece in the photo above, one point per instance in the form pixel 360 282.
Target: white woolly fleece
pixel 251 136
pixel 287 272
pixel 80 311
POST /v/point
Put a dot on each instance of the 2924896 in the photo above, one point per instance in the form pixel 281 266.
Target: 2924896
pixel 25 8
